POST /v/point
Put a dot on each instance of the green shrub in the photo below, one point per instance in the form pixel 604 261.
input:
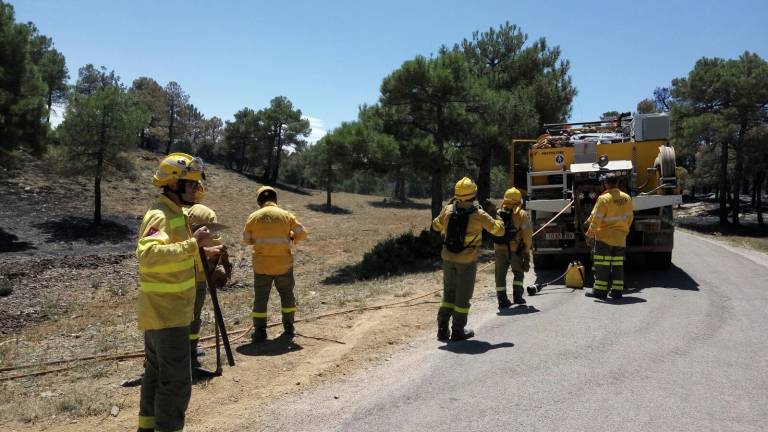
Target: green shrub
pixel 397 255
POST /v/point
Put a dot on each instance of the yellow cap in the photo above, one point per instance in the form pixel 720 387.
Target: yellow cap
pixel 465 189
pixel 512 197
pixel 178 166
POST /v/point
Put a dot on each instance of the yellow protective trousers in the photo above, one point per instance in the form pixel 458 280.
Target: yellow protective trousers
pixel 608 267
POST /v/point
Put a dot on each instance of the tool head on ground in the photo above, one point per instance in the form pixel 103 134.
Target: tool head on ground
pixel 512 197
pixel 465 189
pixel 533 289
pixel 266 194
pixel 179 166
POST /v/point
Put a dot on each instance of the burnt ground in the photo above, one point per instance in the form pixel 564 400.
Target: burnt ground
pixel 68 288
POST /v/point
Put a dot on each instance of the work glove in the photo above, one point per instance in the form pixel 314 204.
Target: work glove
pixel 222 272
pixel 526 260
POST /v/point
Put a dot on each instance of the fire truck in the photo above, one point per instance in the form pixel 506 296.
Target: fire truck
pixel 562 183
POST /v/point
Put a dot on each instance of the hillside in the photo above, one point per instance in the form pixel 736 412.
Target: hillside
pixel 74 290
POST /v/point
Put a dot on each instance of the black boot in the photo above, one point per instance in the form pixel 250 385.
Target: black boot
pixel 461 334
pixel 615 294
pixel 288 330
pixel 195 361
pixel 503 299
pixel 259 335
pixel 443 333
pixel 193 353
pixel 600 294
pixel 517 296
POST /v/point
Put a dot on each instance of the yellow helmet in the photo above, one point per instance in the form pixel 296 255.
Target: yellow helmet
pixel 512 197
pixel 265 189
pixel 178 166
pixel 465 189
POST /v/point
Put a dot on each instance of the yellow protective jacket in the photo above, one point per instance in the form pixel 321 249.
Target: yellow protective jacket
pixel 271 231
pixel 522 224
pixel 199 214
pixel 611 218
pixel 166 253
pixel 478 221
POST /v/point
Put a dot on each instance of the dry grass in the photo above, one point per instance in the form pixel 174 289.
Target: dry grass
pixel 85 308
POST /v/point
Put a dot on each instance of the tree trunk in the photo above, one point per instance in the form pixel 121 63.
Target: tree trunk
pixel 171 121
pixel 723 183
pixel 328 185
pixel 753 198
pixel 484 177
pixel 738 174
pixel 400 192
pixel 758 187
pixel 278 157
pixel 50 103
pixel 97 194
pixel 437 170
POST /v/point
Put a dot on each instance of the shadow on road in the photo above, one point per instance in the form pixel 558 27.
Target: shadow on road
pixel 675 278
pixel 518 310
pixel 473 346
pixel 625 300
pixel 269 348
pixel 636 279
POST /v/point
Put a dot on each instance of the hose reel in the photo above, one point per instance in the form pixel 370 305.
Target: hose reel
pixel 666 167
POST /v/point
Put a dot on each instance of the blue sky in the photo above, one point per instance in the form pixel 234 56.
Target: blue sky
pixel 328 57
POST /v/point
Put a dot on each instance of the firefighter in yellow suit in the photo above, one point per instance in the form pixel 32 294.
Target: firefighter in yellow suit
pixel 609 225
pixel 460 265
pixel 272 231
pixel 220 269
pixel 514 253
pixel 166 254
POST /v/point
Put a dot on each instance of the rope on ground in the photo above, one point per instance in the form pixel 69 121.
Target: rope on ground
pixel 242 331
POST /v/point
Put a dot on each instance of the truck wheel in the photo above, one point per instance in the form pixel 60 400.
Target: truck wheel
pixel 660 260
pixel 543 262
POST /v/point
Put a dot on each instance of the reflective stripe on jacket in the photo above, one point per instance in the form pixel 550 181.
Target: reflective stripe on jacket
pixel 524 230
pixel 166 254
pixel 611 218
pixel 271 231
pixel 478 221
pixel 199 214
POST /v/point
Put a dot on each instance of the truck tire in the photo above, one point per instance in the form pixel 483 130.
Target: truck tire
pixel 659 260
pixel 543 262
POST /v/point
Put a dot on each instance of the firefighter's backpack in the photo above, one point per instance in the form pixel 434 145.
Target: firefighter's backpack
pixel 574 275
pixel 457 228
pixel 509 227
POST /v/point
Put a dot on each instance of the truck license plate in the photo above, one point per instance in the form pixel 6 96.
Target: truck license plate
pixel 559 236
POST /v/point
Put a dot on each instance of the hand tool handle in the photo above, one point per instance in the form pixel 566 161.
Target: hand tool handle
pixel 216 309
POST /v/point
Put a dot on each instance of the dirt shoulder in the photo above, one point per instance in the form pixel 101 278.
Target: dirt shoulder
pixel 74 292
pixel 701 217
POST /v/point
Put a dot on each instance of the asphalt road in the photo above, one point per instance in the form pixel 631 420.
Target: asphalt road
pixel 686 350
